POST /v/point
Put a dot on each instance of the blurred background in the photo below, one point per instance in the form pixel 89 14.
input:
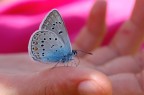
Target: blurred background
pixel 20 18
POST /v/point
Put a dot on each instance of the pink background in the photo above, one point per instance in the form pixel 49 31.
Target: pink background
pixel 19 19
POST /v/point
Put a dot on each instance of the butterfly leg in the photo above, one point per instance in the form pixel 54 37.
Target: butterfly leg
pixel 78 61
pixel 73 62
pixel 55 65
pixel 66 65
pixel 76 64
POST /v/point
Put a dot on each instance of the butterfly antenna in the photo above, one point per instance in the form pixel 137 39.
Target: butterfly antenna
pixel 85 52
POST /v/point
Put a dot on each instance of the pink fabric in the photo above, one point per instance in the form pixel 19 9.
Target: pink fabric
pixel 18 20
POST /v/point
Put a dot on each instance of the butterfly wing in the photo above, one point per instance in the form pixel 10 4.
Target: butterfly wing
pixel 54 22
pixel 46 46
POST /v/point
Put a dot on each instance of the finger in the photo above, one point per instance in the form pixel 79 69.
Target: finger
pixel 101 55
pixel 57 81
pixel 92 34
pixel 131 34
pixel 80 82
pixel 127 84
pixel 124 64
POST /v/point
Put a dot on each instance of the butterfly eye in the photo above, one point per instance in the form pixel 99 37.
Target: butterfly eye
pixel 59 22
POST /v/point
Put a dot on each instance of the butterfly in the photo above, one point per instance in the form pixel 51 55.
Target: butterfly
pixel 51 43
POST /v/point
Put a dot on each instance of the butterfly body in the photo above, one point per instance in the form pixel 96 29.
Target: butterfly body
pixel 60 57
pixel 51 42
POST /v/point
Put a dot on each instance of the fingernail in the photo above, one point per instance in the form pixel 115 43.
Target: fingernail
pixel 102 2
pixel 99 7
pixel 88 88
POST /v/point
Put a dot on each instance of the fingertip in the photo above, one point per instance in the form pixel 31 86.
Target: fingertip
pixel 93 32
pixel 88 88
pixel 77 81
pixel 97 85
pixel 96 20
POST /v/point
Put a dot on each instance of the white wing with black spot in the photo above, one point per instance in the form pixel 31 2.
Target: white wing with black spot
pixel 46 46
pixel 54 22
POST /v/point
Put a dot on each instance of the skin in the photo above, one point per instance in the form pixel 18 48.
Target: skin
pixel 115 69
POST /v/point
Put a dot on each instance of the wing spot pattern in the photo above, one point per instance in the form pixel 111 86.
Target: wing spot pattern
pixel 60 32
pixel 35 43
pixel 42 54
pixel 35 48
pixel 35 37
pixel 42 41
pixel 52 46
pixel 42 45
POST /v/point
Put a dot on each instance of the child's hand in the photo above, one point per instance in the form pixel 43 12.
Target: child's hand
pixel 120 61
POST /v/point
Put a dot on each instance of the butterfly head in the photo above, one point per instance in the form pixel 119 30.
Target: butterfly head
pixel 74 52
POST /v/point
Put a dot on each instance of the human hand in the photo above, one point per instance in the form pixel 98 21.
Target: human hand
pixel 122 60
pixel 20 76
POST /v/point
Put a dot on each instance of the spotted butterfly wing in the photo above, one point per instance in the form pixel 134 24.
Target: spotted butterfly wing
pixel 54 22
pixel 51 42
pixel 46 47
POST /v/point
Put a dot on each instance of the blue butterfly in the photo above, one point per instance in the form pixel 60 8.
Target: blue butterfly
pixel 51 42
